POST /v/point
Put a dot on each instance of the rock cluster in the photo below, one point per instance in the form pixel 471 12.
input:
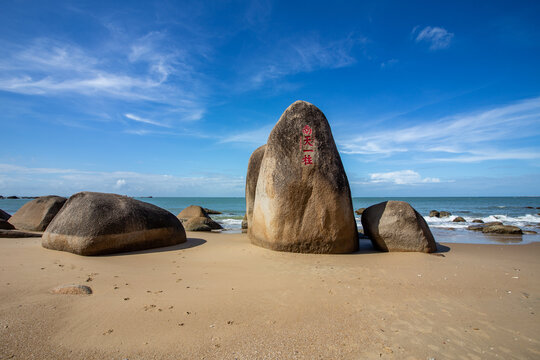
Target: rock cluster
pixel 195 218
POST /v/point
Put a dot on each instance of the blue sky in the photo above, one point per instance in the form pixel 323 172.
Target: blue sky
pixel 169 98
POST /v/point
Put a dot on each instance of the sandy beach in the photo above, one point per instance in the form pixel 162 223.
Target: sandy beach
pixel 219 297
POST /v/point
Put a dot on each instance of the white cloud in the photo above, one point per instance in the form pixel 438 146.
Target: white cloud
pixel 304 55
pixel 402 177
pixel 437 37
pixel 256 137
pixel 469 137
pixel 38 181
pixel 145 121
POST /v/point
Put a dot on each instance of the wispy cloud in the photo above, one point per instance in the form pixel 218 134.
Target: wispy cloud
pixel 38 181
pixel 147 70
pixel 255 137
pixel 471 137
pixel 437 37
pixel 402 177
pixel 309 54
pixel 145 121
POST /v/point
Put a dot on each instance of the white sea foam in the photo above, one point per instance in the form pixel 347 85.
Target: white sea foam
pixel 230 223
pixel 524 221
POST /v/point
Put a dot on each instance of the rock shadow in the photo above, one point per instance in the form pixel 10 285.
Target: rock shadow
pixel 441 248
pixel 190 243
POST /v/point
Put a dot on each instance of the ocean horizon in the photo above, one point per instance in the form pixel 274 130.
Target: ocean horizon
pixel 521 211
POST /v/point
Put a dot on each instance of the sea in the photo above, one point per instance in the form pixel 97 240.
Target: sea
pixel 519 211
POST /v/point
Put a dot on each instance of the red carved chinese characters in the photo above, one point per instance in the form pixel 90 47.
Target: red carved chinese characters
pixel 307 145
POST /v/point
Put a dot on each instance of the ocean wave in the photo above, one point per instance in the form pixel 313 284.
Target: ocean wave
pixel 525 221
pixel 229 223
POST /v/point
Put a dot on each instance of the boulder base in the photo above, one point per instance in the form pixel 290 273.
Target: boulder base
pixel 396 226
pixel 201 223
pixel 37 214
pixel 96 223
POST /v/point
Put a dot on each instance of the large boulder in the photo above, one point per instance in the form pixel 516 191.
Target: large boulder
pixel 195 218
pixel 4 215
pixel 37 214
pixel 93 223
pixel 302 198
pixel 396 226
pixel 252 176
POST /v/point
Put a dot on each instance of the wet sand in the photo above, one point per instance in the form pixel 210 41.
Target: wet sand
pixel 219 297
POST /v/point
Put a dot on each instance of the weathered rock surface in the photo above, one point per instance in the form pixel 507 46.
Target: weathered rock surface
pixel 252 176
pixel 359 211
pixel 501 229
pixel 4 215
pixel 93 223
pixel 434 213
pixel 302 198
pixel 192 219
pixel 201 223
pixel 445 214
pixel 396 226
pixel 4 225
pixel 191 212
pixel 459 219
pixel 72 289
pixel 37 214
pixel 481 226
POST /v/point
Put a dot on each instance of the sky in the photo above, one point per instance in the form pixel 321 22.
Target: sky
pixel 170 98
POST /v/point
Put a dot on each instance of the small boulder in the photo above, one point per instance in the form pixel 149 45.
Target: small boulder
pixel 212 212
pixel 359 211
pixel 396 226
pixel 445 214
pixel 459 219
pixel 478 221
pixel 93 223
pixel 529 232
pixel 475 227
pixel 37 214
pixel 434 213
pixel 201 223
pixel 244 224
pixel 4 225
pixel 72 289
pixel 191 212
pixel 4 215
pixel 502 229
pixel 197 213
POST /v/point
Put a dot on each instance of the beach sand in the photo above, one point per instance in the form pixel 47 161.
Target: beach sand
pixel 219 297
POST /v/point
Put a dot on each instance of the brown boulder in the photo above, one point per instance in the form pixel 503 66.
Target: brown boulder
pixel 96 223
pixel 459 219
pixel 191 212
pixel 444 214
pixel 502 229
pixel 359 211
pixel 212 212
pixel 302 198
pixel 37 214
pixel 478 221
pixel 396 226
pixel 201 223
pixel 434 213
pixel 252 176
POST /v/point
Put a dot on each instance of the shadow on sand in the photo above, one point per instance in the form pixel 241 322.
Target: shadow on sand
pixel 366 247
pixel 190 243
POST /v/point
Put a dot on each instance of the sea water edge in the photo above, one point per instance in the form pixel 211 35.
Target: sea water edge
pixel 519 211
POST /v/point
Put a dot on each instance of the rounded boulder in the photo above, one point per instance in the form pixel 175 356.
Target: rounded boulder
pixel 93 223
pixel 37 214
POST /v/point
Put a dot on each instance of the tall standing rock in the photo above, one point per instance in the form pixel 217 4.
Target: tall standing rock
pixel 302 199
pixel 37 214
pixel 254 166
